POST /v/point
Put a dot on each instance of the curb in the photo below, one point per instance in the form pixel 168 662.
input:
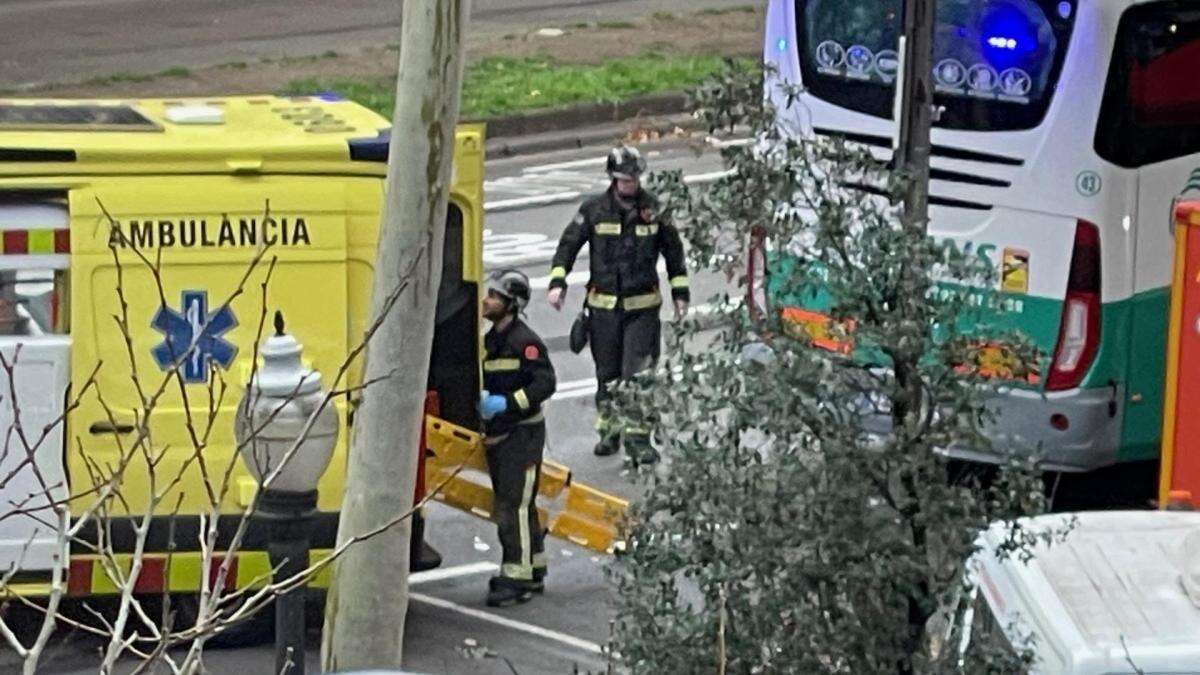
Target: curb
pixel 581 125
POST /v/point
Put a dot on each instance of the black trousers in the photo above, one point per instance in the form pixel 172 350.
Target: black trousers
pixel 623 344
pixel 515 463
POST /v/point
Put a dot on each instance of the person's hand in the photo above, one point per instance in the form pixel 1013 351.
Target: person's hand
pixel 681 308
pixel 491 404
pixel 556 297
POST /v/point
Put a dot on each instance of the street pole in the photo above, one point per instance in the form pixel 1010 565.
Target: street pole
pixel 913 148
pixel 289 517
pixel 916 110
pixel 365 611
pixel 286 434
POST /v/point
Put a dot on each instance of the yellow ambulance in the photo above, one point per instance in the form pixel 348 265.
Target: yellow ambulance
pixel 94 192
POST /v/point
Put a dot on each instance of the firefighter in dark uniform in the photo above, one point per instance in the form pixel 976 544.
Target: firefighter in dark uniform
pixel 627 233
pixel 517 379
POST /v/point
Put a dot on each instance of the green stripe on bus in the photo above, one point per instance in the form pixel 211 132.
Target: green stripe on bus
pixel 1141 430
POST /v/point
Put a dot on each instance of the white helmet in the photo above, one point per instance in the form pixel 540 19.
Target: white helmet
pixel 513 285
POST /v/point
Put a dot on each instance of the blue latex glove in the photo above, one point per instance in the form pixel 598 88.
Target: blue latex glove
pixel 491 405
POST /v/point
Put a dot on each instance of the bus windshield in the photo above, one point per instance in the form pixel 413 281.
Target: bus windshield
pixel 995 61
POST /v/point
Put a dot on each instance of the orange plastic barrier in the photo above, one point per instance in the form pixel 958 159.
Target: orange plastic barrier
pixel 1180 478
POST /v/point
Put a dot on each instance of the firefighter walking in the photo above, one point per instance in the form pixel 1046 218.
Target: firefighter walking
pixel 626 233
pixel 518 378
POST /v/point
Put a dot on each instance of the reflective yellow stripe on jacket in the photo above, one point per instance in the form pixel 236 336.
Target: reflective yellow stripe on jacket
pixel 521 399
pixel 501 365
pixel 633 302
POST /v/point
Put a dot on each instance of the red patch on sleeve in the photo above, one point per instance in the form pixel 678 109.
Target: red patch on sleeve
pixel 531 353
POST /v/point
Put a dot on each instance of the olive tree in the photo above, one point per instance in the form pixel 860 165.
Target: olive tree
pixel 803 518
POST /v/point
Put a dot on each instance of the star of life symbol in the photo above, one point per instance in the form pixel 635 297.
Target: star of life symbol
pixel 194 325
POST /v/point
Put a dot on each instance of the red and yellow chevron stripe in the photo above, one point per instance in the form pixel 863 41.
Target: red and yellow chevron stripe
pixel 36 242
pixel 174 573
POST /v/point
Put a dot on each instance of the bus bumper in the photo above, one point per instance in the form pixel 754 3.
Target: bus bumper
pixel 1020 426
pixel 1024 422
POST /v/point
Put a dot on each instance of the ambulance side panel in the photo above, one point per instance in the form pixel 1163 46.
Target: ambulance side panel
pixel 207 232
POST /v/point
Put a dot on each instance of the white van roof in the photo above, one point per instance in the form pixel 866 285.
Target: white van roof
pixel 1123 587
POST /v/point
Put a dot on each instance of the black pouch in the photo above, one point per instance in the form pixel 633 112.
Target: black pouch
pixel 581 330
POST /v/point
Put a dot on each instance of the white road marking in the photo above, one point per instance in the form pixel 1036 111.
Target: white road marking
pixel 576 164
pixel 506 250
pixel 570 179
pixel 576 384
pixel 528 628
pixel 548 177
pixel 575 389
pixel 526 202
pixel 444 573
pixel 707 177
pixel 543 283
pixel 734 143
pixel 575 393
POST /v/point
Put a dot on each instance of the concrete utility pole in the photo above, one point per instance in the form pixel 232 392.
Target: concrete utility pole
pixel 916 109
pixel 364 621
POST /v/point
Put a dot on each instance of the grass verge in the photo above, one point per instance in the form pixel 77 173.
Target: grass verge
pixel 496 87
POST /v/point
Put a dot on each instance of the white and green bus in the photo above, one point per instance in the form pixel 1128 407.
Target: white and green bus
pixel 1067 130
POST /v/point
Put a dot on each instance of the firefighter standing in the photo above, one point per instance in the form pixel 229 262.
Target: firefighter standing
pixel 627 234
pixel 518 377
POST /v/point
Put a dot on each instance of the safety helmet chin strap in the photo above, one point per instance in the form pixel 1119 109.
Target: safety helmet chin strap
pixel 511 306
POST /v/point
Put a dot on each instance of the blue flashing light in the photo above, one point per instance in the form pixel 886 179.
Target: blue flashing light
pixel 1008 37
pixel 782 44
pixel 1064 9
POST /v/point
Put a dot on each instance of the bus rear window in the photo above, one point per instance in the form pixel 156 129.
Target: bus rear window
pixel 995 62
pixel 1151 110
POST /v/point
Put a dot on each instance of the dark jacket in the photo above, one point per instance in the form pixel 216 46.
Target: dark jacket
pixel 625 245
pixel 517 366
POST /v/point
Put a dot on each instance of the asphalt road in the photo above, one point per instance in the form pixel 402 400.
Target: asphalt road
pixel 449 629
pixel 72 40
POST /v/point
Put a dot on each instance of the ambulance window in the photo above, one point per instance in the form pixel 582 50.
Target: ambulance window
pixel 1151 110
pixel 35 248
pixel 33 302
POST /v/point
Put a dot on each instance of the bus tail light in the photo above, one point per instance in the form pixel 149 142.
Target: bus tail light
pixel 1079 333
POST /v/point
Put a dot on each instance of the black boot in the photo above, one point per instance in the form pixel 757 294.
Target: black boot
pixel 506 591
pixel 539 580
pixel 608 446
pixel 639 450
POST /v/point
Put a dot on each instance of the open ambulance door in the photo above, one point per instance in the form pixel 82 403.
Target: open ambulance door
pixel 34 379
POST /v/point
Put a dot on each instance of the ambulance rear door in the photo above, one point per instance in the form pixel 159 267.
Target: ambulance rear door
pixel 34 376
pixel 207 231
